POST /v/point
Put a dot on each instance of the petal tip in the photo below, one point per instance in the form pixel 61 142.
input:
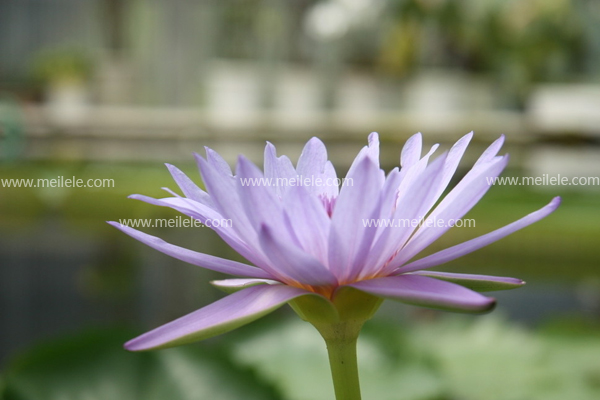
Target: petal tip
pixel 132 345
pixel 488 305
pixel 134 196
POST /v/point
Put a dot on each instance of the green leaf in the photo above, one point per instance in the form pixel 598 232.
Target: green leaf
pixel 94 366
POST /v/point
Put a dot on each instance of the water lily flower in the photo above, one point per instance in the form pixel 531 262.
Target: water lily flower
pixel 319 247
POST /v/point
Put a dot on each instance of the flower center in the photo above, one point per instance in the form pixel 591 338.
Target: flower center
pixel 328 203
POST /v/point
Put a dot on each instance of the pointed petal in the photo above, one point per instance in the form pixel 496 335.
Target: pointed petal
pixel 411 152
pixel 410 173
pixel 186 206
pixel 426 292
pixel 171 192
pixel 235 285
pixel 270 163
pixel 308 219
pixel 387 208
pixel 469 246
pixel 312 159
pixel 222 316
pixel 202 260
pixel 217 161
pixel 490 152
pixel 389 194
pixel 450 165
pixel 373 147
pixel 331 189
pixel 203 213
pixel 188 187
pixel 410 209
pixel 222 189
pixel 355 203
pixel 478 283
pixel 278 169
pixel 292 263
pixel 260 201
pixel 453 207
pixel 370 151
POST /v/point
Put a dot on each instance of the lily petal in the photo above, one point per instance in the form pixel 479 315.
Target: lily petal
pixel 222 316
pixel 200 259
pixel 216 161
pixel 410 209
pixel 313 158
pixel 387 206
pixel 188 187
pixel 478 283
pixel 490 152
pixel 453 207
pixel 291 262
pixel 311 163
pixel 414 171
pixel 349 239
pixel 370 151
pixel 278 168
pixel 426 292
pixel 411 152
pixel 235 285
pixel 450 165
pixel 308 220
pixel 222 189
pixel 260 201
pixel 184 205
pixel 330 189
pixel 470 246
pixel 203 213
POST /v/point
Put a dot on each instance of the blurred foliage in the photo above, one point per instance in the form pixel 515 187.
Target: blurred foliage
pixel 517 42
pixel 453 357
pixel 60 65
pixel 449 357
pixel 94 366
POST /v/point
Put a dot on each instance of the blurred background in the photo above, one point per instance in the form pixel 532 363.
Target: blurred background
pixel 112 89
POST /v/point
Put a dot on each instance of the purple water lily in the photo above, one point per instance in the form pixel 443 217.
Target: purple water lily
pixel 310 243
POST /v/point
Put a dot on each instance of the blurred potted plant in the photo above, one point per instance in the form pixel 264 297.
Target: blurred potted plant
pixel 65 74
pixel 515 43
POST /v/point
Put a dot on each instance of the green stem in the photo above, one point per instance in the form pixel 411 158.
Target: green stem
pixel 339 321
pixel 344 367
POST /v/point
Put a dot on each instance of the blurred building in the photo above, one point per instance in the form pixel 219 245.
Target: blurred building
pixel 167 75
